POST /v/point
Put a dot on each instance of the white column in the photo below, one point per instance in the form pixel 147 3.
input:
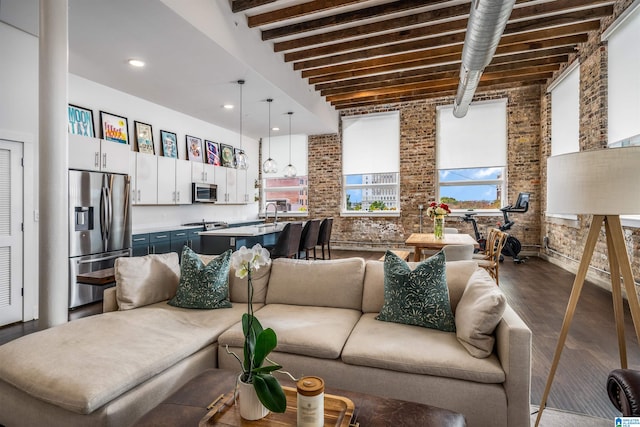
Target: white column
pixel 53 161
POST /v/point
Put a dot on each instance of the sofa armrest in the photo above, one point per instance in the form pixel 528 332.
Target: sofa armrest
pixel 513 346
pixel 109 302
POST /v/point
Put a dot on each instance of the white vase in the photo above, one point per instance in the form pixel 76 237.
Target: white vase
pixel 250 406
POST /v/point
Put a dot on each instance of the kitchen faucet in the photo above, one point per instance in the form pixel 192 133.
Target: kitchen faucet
pixel 266 209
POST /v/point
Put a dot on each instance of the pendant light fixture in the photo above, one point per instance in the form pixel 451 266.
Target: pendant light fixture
pixel 241 159
pixel 290 170
pixel 270 165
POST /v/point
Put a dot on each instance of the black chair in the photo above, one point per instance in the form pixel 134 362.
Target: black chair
pixel 324 235
pixel 309 238
pixel 287 244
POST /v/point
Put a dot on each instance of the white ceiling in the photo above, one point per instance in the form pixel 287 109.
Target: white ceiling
pixel 194 51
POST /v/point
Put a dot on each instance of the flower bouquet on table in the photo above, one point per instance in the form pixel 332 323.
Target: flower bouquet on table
pixel 258 343
pixel 438 211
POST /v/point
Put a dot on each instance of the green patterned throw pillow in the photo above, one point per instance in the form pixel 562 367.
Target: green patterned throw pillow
pixel 203 286
pixel 419 297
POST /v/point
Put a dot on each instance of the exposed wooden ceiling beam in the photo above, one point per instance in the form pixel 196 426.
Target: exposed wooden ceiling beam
pixel 241 5
pixel 445 43
pixel 435 73
pixel 296 11
pixel 455 59
pixel 347 17
pixel 488 84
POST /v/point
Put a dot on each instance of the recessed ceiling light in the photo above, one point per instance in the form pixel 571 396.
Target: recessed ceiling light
pixel 275 128
pixel 228 106
pixel 136 63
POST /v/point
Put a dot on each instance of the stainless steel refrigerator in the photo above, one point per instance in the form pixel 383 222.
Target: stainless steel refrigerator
pixel 99 232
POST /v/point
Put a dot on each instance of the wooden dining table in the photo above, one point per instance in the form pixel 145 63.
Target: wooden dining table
pixel 428 241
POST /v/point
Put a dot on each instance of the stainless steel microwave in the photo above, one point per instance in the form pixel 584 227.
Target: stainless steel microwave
pixel 204 193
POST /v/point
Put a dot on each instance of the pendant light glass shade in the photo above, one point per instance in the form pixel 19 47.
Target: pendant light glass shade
pixel 240 158
pixel 290 170
pixel 270 165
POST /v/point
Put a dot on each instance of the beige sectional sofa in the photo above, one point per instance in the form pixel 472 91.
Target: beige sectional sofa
pixel 109 369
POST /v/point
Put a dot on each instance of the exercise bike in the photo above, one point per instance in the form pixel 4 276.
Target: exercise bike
pixel 512 246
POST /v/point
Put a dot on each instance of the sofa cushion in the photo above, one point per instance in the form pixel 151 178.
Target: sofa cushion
pixel 331 283
pixel 417 350
pixel 238 286
pixel 312 331
pixel 203 286
pixel 84 364
pixel 417 297
pixel 146 279
pixel 478 313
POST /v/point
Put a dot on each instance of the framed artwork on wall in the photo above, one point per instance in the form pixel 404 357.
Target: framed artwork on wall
pixel 236 153
pixel 80 121
pixel 169 144
pixel 212 150
pixel 114 127
pixel 194 148
pixel 144 137
pixel 226 155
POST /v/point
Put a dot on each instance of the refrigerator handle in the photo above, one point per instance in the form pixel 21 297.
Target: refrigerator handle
pixel 109 215
pixel 103 217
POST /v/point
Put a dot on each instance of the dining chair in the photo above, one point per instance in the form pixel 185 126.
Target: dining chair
pixel 324 235
pixel 309 238
pixel 287 243
pixel 491 262
pixel 458 252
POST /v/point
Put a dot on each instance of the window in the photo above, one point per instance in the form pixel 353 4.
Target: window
pixel 371 163
pixel 471 156
pixel 624 84
pixel 565 117
pixel 289 194
pixel 624 80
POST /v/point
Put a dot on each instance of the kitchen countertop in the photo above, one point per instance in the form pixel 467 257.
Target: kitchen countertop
pixel 163 228
pixel 247 230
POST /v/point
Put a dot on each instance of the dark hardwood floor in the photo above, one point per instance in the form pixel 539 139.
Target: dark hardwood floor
pixel 538 291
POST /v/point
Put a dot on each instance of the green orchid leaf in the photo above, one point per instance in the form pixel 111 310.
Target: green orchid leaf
pixel 270 393
pixel 265 343
pixel 251 328
pixel 266 369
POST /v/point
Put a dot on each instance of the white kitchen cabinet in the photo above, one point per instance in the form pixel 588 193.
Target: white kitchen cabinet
pixel 232 186
pixel 221 184
pixel 144 177
pixel 232 182
pixel 183 182
pixel 93 154
pixel 174 181
pixel 203 172
pixel 241 186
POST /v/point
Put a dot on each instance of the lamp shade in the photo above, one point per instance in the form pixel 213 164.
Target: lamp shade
pixel 599 182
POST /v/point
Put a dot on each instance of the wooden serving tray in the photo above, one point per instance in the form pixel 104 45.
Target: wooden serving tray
pixel 338 412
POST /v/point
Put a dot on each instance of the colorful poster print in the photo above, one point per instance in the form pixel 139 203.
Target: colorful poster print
pixel 80 121
pixel 114 128
pixel 212 152
pixel 194 148
pixel 226 155
pixel 144 137
pixel 169 144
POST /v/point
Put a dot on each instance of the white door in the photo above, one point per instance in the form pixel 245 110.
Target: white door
pixel 183 182
pixel 11 189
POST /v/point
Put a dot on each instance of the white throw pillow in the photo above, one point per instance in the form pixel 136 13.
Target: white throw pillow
pixel 478 313
pixel 146 279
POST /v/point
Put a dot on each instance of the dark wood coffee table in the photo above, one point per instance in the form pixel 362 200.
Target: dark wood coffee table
pixel 188 406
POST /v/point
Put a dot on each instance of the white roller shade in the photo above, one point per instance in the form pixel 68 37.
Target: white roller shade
pixel 477 140
pixel 624 78
pixel 371 143
pixel 565 114
pixel 280 153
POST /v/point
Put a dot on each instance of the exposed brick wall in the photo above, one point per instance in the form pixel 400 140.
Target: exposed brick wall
pixel 418 172
pixel 567 237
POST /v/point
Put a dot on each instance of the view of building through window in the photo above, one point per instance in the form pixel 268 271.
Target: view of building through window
pixel 478 188
pixel 289 194
pixel 371 192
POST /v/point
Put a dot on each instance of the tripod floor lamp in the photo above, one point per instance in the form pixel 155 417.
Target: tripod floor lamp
pixel 602 183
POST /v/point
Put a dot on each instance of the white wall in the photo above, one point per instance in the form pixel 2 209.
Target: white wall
pixel 19 122
pixel 97 97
